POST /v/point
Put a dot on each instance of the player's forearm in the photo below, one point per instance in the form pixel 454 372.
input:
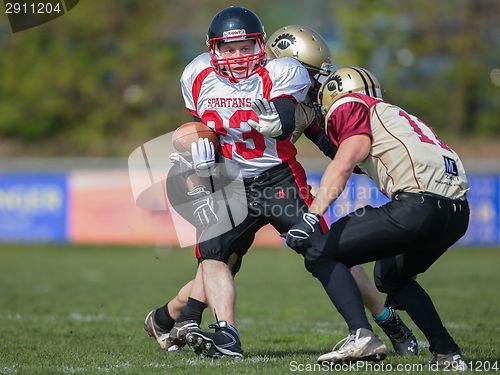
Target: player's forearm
pixel 351 151
pixel 286 112
pixel 332 185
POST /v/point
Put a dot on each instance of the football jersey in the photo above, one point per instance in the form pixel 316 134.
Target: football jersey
pixel 225 106
pixel 406 155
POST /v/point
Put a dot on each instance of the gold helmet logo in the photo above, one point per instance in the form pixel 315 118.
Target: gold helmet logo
pixel 334 83
pixel 284 41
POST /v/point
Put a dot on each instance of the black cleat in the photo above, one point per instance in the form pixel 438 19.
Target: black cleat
pixel 180 329
pixel 403 340
pixel 223 342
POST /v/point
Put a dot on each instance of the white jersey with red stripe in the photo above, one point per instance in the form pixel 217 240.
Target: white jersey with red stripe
pixel 224 105
pixel 406 155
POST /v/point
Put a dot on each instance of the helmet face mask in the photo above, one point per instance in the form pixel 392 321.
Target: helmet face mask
pixel 229 66
pixel 236 24
pixel 318 78
pixel 344 81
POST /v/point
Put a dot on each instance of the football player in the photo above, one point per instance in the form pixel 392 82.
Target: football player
pixel 250 103
pixel 428 211
pixel 309 48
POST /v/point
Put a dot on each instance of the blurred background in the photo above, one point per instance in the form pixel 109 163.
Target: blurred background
pixel 81 264
pixel 78 94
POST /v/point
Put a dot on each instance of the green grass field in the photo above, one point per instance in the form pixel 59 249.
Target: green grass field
pixel 80 310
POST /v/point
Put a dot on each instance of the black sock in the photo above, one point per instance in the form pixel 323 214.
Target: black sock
pixel 417 303
pixel 163 318
pixel 193 310
pixel 343 292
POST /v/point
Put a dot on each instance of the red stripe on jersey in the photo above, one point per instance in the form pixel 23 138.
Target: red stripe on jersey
pixel 193 112
pixel 299 175
pixel 403 144
pixel 285 149
pixel 195 91
pixel 266 82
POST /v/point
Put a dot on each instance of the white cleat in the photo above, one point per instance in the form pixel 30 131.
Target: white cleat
pixel 162 337
pixel 362 345
pixel 448 362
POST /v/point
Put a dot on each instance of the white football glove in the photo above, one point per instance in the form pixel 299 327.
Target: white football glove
pixel 203 207
pixel 203 155
pixel 269 123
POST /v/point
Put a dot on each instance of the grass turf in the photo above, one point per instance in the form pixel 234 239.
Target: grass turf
pixel 66 309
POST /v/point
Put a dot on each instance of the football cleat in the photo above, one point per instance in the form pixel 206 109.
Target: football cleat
pixel 224 341
pixel 392 303
pixel 448 362
pixel 361 345
pixel 161 336
pixel 180 329
pixel 402 339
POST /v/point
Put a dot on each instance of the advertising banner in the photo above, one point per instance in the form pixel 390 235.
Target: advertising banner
pixel 33 207
pixel 97 207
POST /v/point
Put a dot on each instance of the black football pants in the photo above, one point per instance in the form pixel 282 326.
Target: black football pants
pixel 405 236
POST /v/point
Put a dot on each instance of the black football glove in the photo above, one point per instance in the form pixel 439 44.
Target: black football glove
pixel 203 207
pixel 298 236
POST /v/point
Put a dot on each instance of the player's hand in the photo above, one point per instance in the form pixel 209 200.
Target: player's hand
pixel 298 236
pixel 203 155
pixel 203 207
pixel 269 123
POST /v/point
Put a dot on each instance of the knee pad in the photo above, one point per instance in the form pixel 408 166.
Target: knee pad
pixel 312 263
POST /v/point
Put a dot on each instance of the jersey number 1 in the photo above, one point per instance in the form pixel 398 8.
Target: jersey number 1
pixel 424 138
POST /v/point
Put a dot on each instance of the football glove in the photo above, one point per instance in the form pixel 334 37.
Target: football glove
pixel 203 155
pixel 298 236
pixel 203 207
pixel 269 123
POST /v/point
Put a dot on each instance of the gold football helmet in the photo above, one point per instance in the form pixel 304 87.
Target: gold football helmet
pixel 302 43
pixel 344 81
